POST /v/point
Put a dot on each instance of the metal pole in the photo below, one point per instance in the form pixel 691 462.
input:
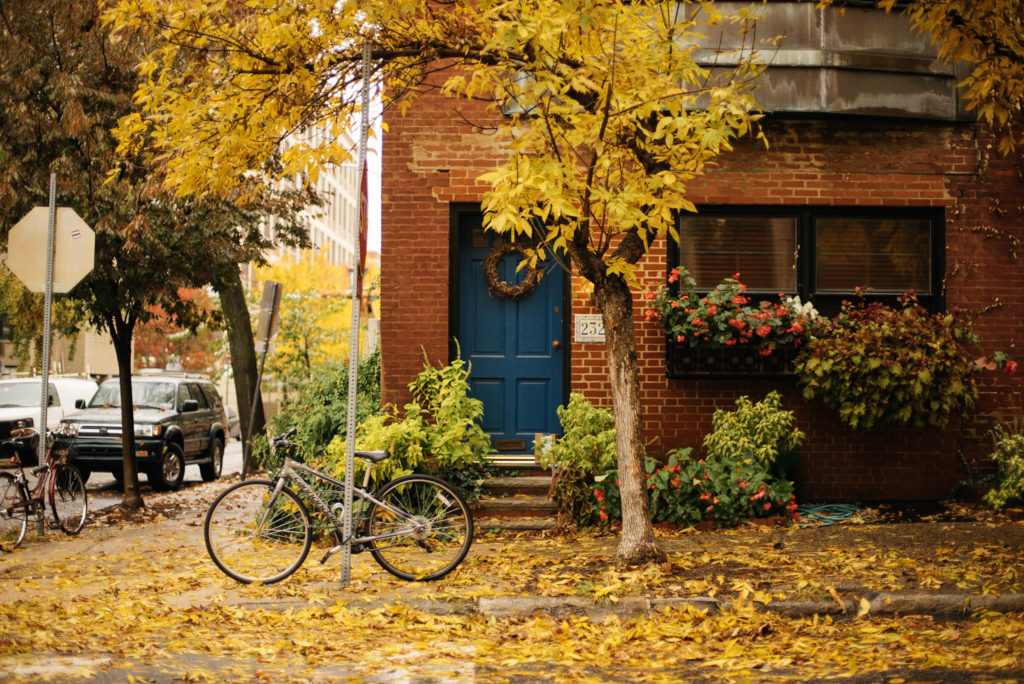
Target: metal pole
pixel 44 402
pixel 353 352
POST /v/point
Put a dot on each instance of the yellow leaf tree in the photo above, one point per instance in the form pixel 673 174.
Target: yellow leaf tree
pixel 315 316
pixel 604 107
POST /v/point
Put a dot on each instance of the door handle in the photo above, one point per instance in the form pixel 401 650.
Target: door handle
pixel 556 345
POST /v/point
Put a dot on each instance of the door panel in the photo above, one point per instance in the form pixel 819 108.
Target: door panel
pixel 514 346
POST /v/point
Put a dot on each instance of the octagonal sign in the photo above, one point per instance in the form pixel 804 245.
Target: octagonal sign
pixel 74 246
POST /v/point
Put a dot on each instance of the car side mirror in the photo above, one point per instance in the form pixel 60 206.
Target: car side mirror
pixel 190 405
pixel 79 403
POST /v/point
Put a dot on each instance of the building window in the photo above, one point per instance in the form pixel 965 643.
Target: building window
pixel 823 254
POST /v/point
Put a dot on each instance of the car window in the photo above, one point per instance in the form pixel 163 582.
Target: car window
pixel 109 394
pixel 24 394
pixel 183 396
pixel 153 395
pixel 198 395
pixel 212 398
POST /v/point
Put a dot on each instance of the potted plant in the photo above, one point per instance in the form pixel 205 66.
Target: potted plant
pixel 727 331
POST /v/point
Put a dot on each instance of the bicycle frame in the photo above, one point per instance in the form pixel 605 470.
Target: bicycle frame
pixel 33 499
pixel 292 472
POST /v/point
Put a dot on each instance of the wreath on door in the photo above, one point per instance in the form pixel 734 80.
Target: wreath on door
pixel 502 288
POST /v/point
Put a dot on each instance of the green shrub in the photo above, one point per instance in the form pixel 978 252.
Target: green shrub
pixel 320 410
pixel 438 434
pixel 877 364
pixel 585 449
pixel 1008 454
pixel 735 482
pixel 764 429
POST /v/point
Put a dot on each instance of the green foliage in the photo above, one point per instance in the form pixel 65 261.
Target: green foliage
pixel 876 364
pixel 725 317
pixel 320 411
pixel 736 481
pixel 765 430
pixel 588 437
pixel 586 448
pixel 439 434
pixel 1008 454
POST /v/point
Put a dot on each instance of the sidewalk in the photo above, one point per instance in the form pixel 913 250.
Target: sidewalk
pixel 945 567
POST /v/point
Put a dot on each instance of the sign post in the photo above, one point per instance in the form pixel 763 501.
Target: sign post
pixel 70 246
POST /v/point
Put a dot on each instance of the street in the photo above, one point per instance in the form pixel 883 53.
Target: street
pixel 104 491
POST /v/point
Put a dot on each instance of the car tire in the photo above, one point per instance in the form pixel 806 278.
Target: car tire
pixel 211 471
pixel 169 473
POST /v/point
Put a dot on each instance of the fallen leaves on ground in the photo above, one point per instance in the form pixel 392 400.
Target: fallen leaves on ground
pixel 144 600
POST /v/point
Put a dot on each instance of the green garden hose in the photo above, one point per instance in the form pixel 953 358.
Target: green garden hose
pixel 827 514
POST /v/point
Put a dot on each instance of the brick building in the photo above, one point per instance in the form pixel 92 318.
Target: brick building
pixel 867 132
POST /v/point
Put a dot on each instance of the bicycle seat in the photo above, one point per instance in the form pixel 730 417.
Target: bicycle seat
pixel 373 456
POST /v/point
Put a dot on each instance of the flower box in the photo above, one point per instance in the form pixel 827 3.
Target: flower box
pixel 683 360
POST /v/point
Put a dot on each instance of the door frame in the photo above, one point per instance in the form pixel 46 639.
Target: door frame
pixel 455 211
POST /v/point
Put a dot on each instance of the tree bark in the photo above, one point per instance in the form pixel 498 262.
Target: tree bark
pixel 243 358
pixel 121 335
pixel 615 301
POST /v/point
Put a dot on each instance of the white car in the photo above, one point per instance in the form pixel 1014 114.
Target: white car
pixel 19 404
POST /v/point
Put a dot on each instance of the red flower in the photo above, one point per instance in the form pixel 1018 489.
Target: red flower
pixel 604 516
pixel 599 495
pixel 1011 367
pixel 712 309
pixel 763 331
pixel 673 275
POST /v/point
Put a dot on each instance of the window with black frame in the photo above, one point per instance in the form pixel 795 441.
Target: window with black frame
pixel 822 254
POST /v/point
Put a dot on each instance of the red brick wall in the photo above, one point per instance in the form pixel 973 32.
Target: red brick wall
pixel 432 157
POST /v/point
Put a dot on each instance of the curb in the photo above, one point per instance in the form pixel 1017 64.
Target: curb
pixel 939 605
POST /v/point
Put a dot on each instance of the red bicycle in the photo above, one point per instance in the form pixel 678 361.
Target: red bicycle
pixel 59 482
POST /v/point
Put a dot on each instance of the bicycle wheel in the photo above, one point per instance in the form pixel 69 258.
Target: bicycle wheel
pixel 68 501
pixel 254 536
pixel 13 520
pixel 431 536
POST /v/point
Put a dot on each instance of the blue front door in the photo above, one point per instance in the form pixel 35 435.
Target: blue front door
pixel 515 345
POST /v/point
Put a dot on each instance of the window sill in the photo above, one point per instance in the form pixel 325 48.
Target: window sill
pixel 685 361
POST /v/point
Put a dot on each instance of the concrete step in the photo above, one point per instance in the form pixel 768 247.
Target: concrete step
pixel 518 506
pixel 538 485
pixel 514 524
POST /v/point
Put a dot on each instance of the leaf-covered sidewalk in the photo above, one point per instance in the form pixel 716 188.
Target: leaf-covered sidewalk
pixel 142 599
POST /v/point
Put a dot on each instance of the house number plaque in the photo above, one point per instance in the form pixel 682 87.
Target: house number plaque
pixel 588 328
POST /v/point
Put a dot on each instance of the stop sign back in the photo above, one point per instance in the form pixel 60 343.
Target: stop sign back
pixel 74 245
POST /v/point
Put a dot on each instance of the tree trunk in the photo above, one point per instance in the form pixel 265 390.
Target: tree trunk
pixel 243 359
pixel 122 338
pixel 614 300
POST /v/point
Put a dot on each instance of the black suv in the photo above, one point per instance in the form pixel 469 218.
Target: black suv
pixel 179 420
